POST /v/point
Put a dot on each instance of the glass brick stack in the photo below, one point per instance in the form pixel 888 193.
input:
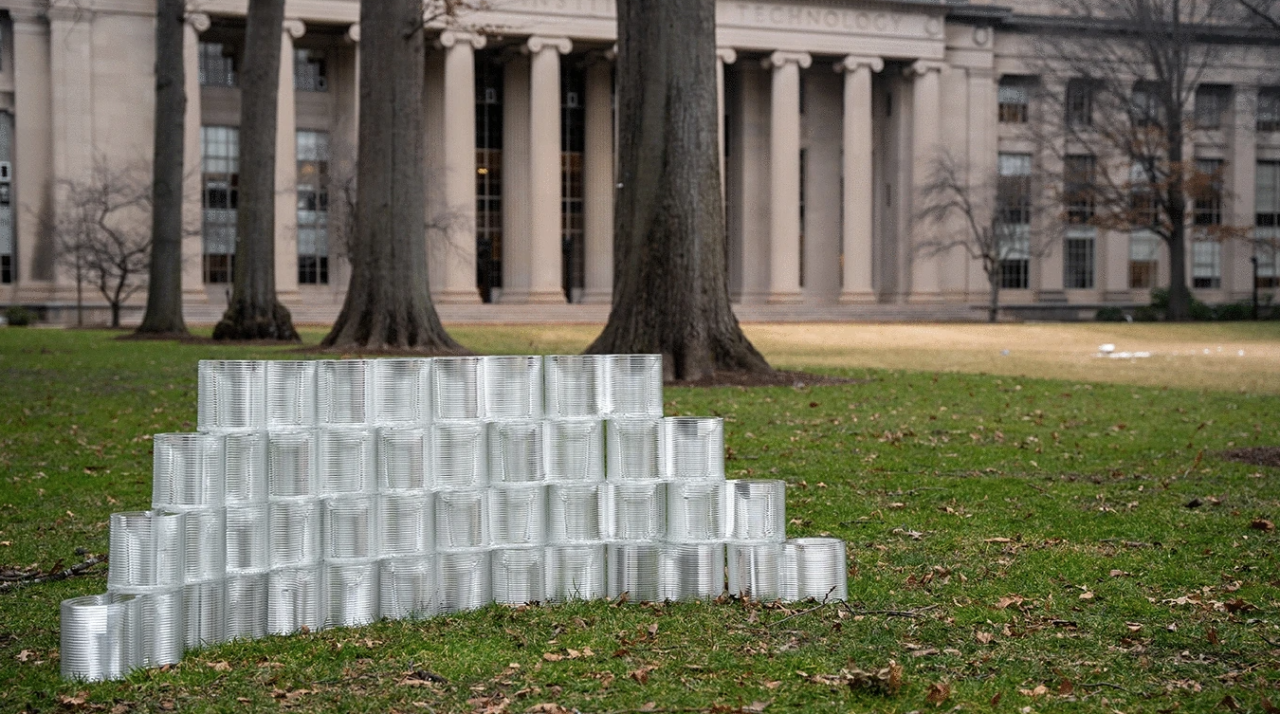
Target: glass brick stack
pixel 332 493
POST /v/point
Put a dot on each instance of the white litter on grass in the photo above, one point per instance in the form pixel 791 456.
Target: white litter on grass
pixel 1107 348
pixel 1109 351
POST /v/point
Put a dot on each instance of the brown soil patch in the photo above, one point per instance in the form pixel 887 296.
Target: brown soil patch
pixel 777 378
pixel 1255 456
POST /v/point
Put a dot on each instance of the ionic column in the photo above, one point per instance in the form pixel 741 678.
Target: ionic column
pixel 192 164
pixel 858 228
pixel 33 150
pixel 784 175
pixel 1241 170
pixel 926 104
pixel 459 274
pixel 287 165
pixel 544 167
pixel 598 182
pixel 724 56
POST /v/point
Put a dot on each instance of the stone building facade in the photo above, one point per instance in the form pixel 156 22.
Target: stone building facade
pixel 833 112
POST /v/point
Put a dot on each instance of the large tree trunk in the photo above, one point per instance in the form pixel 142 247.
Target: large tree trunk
pixel 670 292
pixel 388 303
pixel 254 312
pixel 164 282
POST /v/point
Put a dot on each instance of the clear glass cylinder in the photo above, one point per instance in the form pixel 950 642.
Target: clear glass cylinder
pixel 758 511
pixel 407 587
pixel 635 511
pixel 515 452
pixel 247 595
pixel 518 514
pixel 248 541
pixel 455 386
pixel 204 606
pixel 205 544
pixel 161 624
pixel 634 568
pixel 462 519
pixel 814 568
pixel 518 575
pixel 692 571
pixel 407 523
pixel 148 549
pixel 291 463
pixel 344 394
pixel 231 395
pixel 464 579
pixel 692 448
pixel 246 466
pixel 402 391
pixel 187 471
pixel 574 512
pixel 575 572
pixel 100 637
pixel 633 449
pixel 291 394
pixel 295 599
pixel 349 528
pixel 754 570
pixel 403 459
pixel 574 385
pixel 574 449
pixel 697 511
pixel 633 384
pixel 351 593
pixel 512 386
pixel 459 457
pixel 294 532
pixel 345 460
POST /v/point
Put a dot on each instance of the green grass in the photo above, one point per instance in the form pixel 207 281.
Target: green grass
pixel 924 474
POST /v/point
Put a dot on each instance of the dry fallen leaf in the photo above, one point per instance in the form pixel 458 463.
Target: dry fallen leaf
pixel 1065 687
pixel 1262 524
pixel 998 540
pixel 984 637
pixel 221 666
pixel 26 655
pixel 938 693
pixel 1268 707
pixel 552 657
pixel 1212 636
pixel 772 685
pixel 642 675
pixel 1229 702
pixel 755 707
pixel 1086 595
pixel 1039 691
pixel 547 708
pixel 1008 600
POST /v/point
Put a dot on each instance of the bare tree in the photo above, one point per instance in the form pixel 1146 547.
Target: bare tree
pixel 255 312
pixel 388 303
pixel 100 234
pixel 670 292
pixel 989 218
pixel 1263 13
pixel 1122 110
pixel 164 285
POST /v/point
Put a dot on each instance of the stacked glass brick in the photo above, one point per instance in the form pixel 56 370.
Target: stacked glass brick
pixel 332 493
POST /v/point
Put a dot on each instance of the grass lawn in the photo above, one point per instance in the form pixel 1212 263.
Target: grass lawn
pixel 1017 543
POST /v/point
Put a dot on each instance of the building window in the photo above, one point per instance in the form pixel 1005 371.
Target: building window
pixel 1144 253
pixel 8 272
pixel 217 65
pixel 309 71
pixel 1211 105
pixel 1267 221
pixel 1269 109
pixel 573 87
pixel 1206 264
pixel 1264 251
pixel 1143 210
pixel 488 176
pixel 1078 174
pixel 1013 201
pixel 313 207
pixel 1077 263
pixel 220 149
pixel 1207 194
pixel 1144 104
pixel 1014 96
pixel 1079 102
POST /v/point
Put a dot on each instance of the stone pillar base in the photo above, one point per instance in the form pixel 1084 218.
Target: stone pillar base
pixel 924 298
pixel 533 297
pixel 597 297
pixel 1117 296
pixel 787 298
pixel 858 297
pixel 456 297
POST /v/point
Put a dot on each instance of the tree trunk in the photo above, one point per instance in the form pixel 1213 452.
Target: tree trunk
pixel 1179 295
pixel 254 312
pixel 164 282
pixel 115 315
pixel 388 303
pixel 993 310
pixel 670 291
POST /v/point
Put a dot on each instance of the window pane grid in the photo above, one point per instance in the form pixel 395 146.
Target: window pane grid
pixel 220 149
pixel 313 207
pixel 1206 264
pixel 1078 263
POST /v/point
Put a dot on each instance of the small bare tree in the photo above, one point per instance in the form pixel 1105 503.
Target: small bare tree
pixel 101 234
pixel 989 219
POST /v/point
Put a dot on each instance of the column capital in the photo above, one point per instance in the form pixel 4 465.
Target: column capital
pixel 538 43
pixel 727 55
pixel 61 10
pixel 779 59
pixel 199 21
pixel 853 63
pixel 449 38
pixel 919 68
pixel 27 18
pixel 353 33
pixel 294 28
